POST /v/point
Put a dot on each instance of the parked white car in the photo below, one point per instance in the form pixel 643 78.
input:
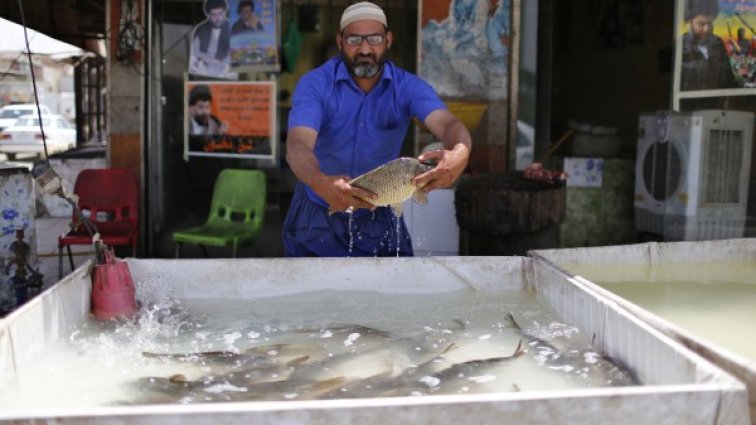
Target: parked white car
pixel 10 113
pixel 24 136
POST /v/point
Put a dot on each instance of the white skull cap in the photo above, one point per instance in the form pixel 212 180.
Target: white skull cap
pixel 362 11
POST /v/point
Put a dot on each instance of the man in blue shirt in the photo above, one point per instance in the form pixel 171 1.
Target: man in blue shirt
pixel 349 116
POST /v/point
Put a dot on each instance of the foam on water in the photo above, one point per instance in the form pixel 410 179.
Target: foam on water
pixel 322 344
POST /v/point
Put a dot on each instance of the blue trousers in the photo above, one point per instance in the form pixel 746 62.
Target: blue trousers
pixel 309 231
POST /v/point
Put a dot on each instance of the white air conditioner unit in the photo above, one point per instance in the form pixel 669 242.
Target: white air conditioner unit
pixel 691 174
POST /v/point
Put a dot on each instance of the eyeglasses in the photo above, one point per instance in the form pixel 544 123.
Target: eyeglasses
pixel 356 40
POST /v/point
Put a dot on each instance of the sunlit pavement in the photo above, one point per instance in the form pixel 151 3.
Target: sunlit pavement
pixel 21 158
pixel 48 230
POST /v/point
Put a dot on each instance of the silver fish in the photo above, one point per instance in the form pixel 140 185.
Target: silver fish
pixel 387 381
pixel 256 357
pixel 280 352
pixel 423 379
pixel 465 368
pixel 392 182
pixel 532 339
pixel 600 368
pixel 223 388
pixel 377 356
pixel 346 361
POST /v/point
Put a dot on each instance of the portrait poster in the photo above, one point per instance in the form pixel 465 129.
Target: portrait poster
pixel 254 35
pixel 464 47
pixel 210 45
pixel 230 119
pixel 714 58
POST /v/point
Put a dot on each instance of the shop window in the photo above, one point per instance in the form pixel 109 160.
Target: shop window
pixel 90 101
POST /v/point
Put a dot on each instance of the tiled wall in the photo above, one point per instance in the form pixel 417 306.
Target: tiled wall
pixel 17 211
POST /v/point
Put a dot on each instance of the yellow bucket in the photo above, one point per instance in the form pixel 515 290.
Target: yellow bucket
pixel 469 113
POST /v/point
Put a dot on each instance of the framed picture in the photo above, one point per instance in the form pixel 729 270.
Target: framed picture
pixel 254 35
pixel 715 43
pixel 210 47
pixel 465 54
pixel 466 49
pixel 230 119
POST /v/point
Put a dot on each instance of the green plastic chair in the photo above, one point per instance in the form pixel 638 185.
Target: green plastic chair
pixel 236 213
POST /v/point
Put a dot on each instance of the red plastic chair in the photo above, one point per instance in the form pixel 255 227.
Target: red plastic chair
pixel 109 198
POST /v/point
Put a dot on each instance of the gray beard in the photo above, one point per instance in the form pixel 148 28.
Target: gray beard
pixel 366 70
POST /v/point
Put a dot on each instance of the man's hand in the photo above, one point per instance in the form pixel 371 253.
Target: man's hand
pixel 335 190
pixel 451 164
pixel 452 159
pixel 340 195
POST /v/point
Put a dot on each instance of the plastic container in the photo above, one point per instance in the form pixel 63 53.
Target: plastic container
pixel 649 254
pixel 679 387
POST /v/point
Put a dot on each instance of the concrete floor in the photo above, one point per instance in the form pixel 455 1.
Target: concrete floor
pixel 269 244
pixel 48 230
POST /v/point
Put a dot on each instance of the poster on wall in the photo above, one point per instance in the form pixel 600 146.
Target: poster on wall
pixel 464 47
pixel 210 47
pixel 230 119
pixel 715 48
pixel 254 35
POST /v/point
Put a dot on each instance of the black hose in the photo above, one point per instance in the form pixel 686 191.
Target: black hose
pixel 34 81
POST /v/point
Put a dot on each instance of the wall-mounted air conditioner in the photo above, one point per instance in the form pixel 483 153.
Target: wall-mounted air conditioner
pixel 691 174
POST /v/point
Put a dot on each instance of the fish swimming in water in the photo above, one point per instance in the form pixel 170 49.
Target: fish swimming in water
pixel 421 378
pixel 253 357
pixel 388 380
pixel 281 352
pixel 465 368
pixel 346 361
pixel 358 359
pixel 225 388
pixel 447 380
pixel 580 362
pixel 392 182
pixel 532 339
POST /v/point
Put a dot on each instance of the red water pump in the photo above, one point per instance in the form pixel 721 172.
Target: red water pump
pixel 113 292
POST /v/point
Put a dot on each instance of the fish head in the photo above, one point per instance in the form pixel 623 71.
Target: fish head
pixel 422 167
pixel 412 166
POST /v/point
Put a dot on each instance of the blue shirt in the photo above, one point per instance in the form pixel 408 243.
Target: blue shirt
pixel 358 131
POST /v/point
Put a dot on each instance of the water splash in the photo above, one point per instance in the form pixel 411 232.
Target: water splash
pixel 351 234
pixel 421 237
pixel 398 232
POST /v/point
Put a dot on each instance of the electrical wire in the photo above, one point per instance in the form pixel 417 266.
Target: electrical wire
pixel 91 228
pixel 129 38
pixel 34 80
pixel 129 33
pixel 10 67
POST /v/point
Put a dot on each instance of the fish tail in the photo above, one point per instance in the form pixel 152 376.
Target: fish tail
pixel 519 350
pixel 509 318
pixel 397 208
pixel 329 383
pixel 298 361
pixel 420 196
pixel 451 346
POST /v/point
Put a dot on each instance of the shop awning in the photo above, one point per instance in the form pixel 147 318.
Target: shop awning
pixel 39 44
